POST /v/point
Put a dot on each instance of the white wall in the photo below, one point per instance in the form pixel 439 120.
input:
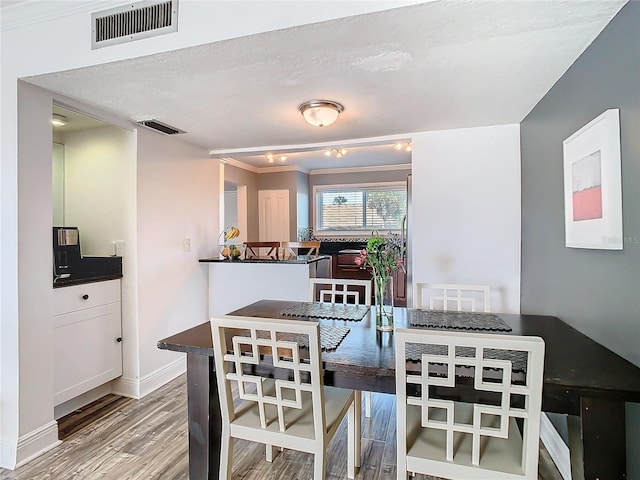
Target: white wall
pixel 177 198
pixel 98 196
pixel 466 210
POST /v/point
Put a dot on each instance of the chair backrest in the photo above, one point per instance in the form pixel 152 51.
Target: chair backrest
pixel 241 344
pixel 252 249
pixel 337 290
pixel 452 297
pixel 507 373
pixel 293 248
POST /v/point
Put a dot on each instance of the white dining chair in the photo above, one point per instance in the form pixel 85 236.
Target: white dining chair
pixel 476 440
pixel 452 297
pixel 339 290
pixel 293 410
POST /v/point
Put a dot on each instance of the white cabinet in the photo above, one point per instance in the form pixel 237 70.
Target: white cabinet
pixel 87 332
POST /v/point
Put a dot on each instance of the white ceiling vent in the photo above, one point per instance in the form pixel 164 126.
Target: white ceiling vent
pixel 133 22
pixel 160 127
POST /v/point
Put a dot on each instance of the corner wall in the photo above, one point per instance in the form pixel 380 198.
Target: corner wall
pixel 465 210
pixel 595 291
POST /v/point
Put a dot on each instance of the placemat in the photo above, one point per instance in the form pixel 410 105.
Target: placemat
pixel 414 352
pixel 336 311
pixel 330 337
pixel 457 320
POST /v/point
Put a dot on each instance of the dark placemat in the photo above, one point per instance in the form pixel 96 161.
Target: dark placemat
pixel 457 320
pixel 335 311
pixel 330 337
pixel 518 359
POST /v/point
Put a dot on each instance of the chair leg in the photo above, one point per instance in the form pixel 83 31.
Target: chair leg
pixel 271 452
pixel 226 456
pixel 367 404
pixel 318 467
pixel 357 426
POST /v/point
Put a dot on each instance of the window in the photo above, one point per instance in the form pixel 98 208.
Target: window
pixel 345 209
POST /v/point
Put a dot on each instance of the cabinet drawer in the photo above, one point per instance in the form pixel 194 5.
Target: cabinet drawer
pixel 347 259
pixel 89 295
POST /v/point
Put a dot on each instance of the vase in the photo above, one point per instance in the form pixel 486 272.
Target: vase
pixel 383 295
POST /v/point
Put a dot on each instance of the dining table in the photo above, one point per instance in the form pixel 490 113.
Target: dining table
pixel 582 378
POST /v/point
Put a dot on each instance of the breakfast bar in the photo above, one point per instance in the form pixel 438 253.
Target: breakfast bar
pixel 235 283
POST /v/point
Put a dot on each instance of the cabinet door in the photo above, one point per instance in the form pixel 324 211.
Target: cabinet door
pixel 87 350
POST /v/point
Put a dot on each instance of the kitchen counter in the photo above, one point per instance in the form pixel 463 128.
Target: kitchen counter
pixel 81 280
pixel 235 283
pixel 298 259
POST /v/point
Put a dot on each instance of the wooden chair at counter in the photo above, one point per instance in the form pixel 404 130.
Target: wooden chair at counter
pixel 294 248
pixel 249 252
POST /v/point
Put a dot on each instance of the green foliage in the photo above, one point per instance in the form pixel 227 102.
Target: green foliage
pixel 383 255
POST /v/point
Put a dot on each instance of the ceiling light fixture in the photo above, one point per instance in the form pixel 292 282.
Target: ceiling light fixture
pixel 339 152
pixel 400 146
pixel 320 113
pixel 58 120
pixel 272 158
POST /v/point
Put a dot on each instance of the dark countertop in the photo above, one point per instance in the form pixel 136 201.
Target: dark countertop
pixel 299 259
pixel 68 282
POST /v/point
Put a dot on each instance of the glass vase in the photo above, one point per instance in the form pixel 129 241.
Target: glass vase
pixel 383 296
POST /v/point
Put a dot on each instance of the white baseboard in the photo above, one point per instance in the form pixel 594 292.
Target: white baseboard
pixel 151 382
pixel 556 447
pixel 37 442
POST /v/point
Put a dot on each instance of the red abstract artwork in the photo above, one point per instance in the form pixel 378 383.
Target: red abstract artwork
pixel 587 188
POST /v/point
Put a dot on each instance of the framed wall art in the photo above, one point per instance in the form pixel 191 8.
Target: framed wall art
pixel 593 185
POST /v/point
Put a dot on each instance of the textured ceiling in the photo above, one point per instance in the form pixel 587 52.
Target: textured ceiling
pixel 433 66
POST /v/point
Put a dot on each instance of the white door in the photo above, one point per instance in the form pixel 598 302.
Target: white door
pixel 273 215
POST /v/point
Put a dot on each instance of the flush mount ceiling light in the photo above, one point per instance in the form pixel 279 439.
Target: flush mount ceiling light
pixel 58 120
pixel 272 158
pixel 339 152
pixel 320 113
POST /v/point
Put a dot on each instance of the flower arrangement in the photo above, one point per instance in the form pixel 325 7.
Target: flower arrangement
pixel 384 256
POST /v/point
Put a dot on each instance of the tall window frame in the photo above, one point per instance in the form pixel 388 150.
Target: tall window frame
pixel 348 210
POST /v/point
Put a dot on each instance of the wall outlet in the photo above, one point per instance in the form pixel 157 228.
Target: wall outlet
pixel 120 248
pixel 187 244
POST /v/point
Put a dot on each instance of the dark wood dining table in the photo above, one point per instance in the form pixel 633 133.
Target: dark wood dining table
pixel 581 378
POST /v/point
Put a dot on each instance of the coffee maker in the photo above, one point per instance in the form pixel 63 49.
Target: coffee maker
pixel 66 251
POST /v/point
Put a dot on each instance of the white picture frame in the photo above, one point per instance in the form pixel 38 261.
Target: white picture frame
pixel 593 185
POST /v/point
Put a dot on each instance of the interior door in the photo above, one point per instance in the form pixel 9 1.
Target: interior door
pixel 273 215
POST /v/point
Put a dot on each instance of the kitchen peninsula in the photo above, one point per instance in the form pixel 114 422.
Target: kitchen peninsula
pixel 235 283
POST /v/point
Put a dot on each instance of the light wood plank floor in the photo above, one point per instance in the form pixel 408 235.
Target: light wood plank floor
pixel 147 440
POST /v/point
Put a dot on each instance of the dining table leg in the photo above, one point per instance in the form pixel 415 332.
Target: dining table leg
pixel 205 424
pixel 603 439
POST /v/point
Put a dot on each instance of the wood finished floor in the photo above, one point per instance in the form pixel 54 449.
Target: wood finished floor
pixel 147 440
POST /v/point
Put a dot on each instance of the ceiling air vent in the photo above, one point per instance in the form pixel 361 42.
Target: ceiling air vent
pixel 159 127
pixel 133 22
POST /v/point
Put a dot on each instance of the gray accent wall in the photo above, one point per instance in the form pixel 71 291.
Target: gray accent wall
pixel 595 291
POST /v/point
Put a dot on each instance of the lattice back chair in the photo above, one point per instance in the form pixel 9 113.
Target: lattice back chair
pixel 293 410
pixel 338 290
pixel 453 439
pixel 301 248
pixel 452 297
pixel 253 249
